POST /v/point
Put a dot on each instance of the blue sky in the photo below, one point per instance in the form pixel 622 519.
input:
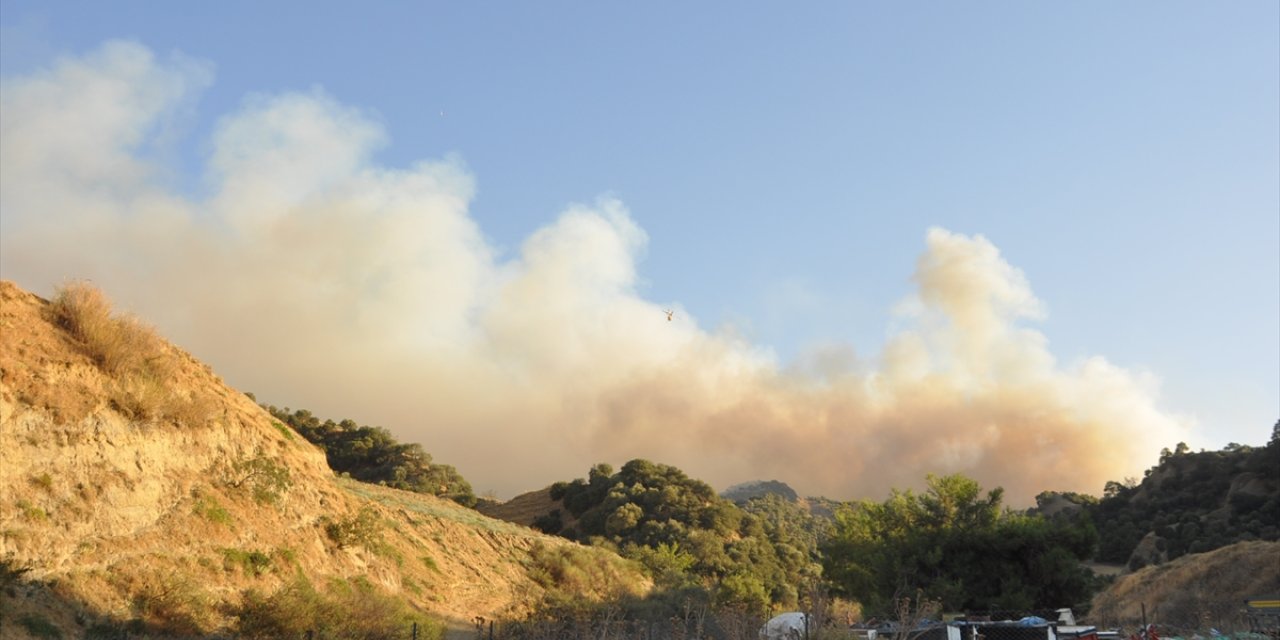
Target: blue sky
pixel 786 162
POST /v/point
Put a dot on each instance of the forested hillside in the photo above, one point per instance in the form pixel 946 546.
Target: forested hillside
pixel 1191 503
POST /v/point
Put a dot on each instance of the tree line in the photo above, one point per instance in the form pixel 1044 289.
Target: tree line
pixel 372 454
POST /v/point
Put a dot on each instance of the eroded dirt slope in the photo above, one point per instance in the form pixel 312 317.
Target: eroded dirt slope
pixel 127 496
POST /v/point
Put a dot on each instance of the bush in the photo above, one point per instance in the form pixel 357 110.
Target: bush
pixel 38 626
pixel 573 574
pixel 130 352
pixel 267 479
pixel 251 563
pixel 372 454
pixel 117 344
pixel 210 509
pixel 173 605
pixel 351 609
pixel 361 529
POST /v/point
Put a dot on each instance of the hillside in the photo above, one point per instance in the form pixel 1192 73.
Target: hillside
pixel 1194 592
pixel 1191 502
pixel 138 490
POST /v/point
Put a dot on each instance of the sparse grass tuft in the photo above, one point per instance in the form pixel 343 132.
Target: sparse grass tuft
pixel 210 509
pixel 284 431
pixel 173 605
pixel 32 512
pixel 117 344
pixel 138 360
pixel 44 481
pixel 430 563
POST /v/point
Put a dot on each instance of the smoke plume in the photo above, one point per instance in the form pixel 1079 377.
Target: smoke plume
pixel 307 273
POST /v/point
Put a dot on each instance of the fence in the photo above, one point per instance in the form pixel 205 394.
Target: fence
pixel 410 631
pixel 699 626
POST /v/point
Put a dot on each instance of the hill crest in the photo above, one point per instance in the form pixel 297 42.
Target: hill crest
pixel 120 490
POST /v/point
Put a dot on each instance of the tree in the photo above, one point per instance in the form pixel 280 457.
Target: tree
pixel 956 545
pixel 684 533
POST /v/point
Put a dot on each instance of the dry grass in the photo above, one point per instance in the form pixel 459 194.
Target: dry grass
pixel 118 344
pixel 1194 592
pixel 139 362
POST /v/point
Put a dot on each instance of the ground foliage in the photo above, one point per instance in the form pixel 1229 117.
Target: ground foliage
pixel 960 546
pixel 1193 502
pixel 372 454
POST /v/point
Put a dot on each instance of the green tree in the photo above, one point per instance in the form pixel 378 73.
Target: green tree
pixel 956 545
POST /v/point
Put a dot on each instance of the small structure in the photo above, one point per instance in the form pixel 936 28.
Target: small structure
pixel 793 625
pixel 1264 615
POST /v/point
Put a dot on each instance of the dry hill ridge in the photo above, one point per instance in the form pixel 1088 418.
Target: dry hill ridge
pixel 135 485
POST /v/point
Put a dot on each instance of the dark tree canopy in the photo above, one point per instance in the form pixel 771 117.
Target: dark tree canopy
pixel 371 454
pixel 687 536
pixel 1193 501
pixel 957 544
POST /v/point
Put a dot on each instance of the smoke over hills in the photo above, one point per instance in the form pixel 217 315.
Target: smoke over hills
pixel 312 276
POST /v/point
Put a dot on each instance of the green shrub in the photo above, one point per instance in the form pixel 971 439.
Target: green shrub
pixel 32 512
pixel 284 431
pixel 362 529
pixel 208 508
pixel 252 563
pixel 38 626
pixel 373 455
pixel 583 575
pixel 352 609
pixel 267 479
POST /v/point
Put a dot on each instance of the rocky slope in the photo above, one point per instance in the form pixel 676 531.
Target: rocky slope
pixel 137 497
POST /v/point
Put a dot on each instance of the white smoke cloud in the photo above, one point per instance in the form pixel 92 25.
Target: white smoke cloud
pixel 316 278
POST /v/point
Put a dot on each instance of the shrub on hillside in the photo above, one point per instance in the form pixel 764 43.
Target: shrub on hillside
pixel 362 529
pixel 173 605
pixel 267 479
pixel 138 361
pixel 578 578
pixel 352 609
pixel 117 344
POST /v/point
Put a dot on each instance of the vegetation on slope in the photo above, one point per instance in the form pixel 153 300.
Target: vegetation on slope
pixel 691 540
pixel 958 546
pixel 120 516
pixel 1192 503
pixel 138 362
pixel 1194 593
pixel 372 454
